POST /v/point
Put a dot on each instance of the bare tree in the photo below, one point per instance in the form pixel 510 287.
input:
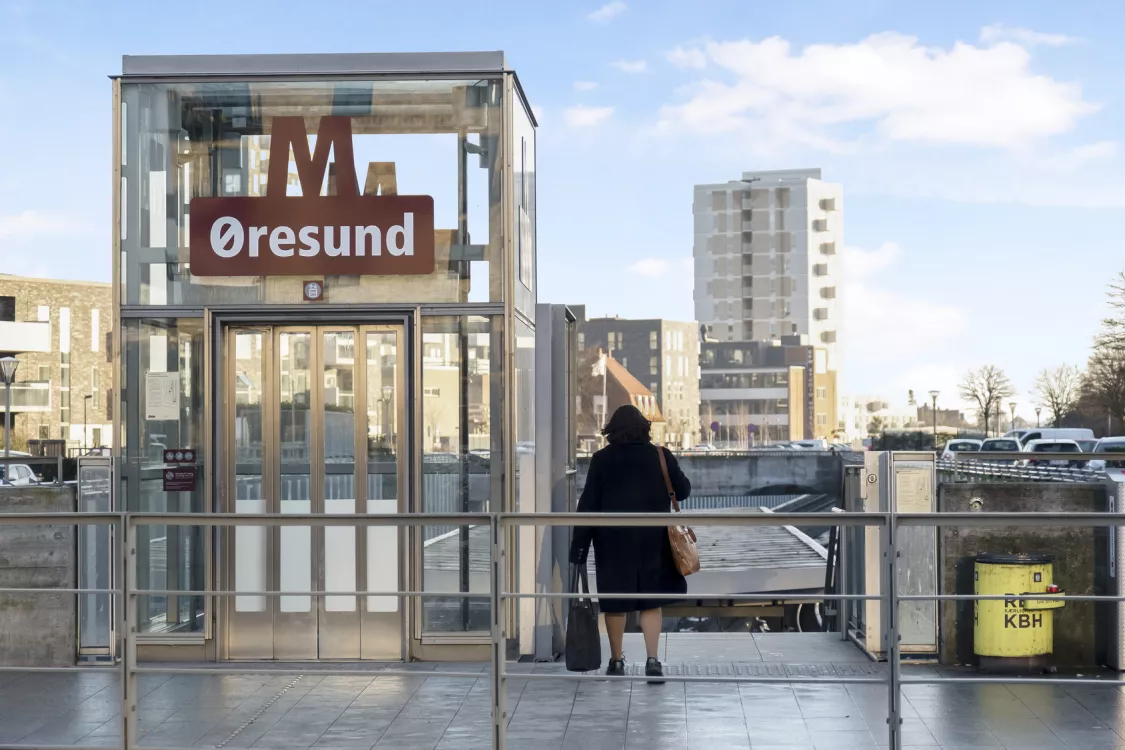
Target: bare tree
pixel 987 387
pixel 1103 388
pixel 1113 327
pixel 1058 391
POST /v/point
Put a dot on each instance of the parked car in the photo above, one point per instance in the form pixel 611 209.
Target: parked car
pixel 21 475
pixel 1108 445
pixel 1053 446
pixel 1002 445
pixel 959 445
pixel 1017 434
pixel 1057 433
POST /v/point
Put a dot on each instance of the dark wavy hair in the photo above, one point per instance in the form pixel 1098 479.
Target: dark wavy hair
pixel 627 425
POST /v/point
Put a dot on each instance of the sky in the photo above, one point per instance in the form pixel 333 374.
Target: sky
pixel 977 143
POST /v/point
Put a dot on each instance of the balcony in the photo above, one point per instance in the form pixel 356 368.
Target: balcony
pixel 28 396
pixel 828 248
pixel 18 337
pixel 828 292
pixel 820 225
pixel 828 204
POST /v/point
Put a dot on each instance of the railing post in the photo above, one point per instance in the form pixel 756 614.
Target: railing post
pixel 499 689
pixel 890 604
pixel 129 695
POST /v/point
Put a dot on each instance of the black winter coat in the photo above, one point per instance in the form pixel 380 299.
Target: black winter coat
pixel 626 478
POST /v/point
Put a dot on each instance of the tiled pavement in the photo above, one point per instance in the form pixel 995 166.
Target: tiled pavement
pixel 234 710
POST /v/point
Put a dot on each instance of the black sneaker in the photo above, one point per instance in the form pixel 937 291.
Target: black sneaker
pixel 653 669
pixel 616 668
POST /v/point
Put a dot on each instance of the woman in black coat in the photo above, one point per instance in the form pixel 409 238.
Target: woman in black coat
pixel 625 477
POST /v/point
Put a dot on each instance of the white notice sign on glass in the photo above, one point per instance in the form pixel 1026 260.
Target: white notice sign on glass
pixel 162 395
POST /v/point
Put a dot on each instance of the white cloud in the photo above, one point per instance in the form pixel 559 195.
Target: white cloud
pixel 860 264
pixel 630 66
pixel 655 268
pixel 585 85
pixel 581 116
pixel 1080 156
pixel 29 223
pixel 817 96
pixel 881 321
pixel 998 32
pixel 607 12
pixel 683 57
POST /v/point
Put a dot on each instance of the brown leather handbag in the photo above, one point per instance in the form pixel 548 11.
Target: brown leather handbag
pixel 682 537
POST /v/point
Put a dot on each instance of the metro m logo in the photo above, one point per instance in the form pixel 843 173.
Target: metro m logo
pixel 334 134
pixel 344 233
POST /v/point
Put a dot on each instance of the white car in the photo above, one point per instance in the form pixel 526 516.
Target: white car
pixel 21 475
pixel 959 445
pixel 1053 446
pixel 1108 445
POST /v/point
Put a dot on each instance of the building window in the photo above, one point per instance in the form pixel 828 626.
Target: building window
pixel 719 200
pixel 44 373
pixel 821 420
pixel 97 437
pixel 95 335
pixel 822 392
pixel 44 432
pixel 95 389
pixel 653 365
pixel 625 362
pixel 435 392
pixel 8 308
pixel 44 314
pixel 653 340
pixel 581 340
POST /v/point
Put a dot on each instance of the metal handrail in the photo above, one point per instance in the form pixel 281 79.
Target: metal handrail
pixel 890 522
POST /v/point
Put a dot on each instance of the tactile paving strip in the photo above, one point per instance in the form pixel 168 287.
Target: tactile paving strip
pixel 733 669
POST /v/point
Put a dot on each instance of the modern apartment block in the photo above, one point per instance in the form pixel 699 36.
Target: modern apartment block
pixel 759 392
pixel 767 258
pixel 57 330
pixel 664 356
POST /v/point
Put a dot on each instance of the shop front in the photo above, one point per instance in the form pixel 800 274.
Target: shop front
pixel 325 277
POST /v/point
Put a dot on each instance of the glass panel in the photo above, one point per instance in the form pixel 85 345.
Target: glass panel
pixel 382 467
pixel 250 555
pixel 191 140
pixel 339 466
pixel 164 356
pixel 294 350
pixel 462 398
pixel 523 209
pixel 95 611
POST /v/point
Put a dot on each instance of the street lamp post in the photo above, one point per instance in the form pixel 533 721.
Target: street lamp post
pixel 85 420
pixel 933 413
pixel 8 367
pixel 1012 406
pixel 1037 410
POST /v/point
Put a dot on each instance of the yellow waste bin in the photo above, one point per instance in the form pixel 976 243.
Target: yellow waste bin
pixel 1017 631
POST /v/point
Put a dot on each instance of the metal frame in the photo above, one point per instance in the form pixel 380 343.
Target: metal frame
pixel 890 522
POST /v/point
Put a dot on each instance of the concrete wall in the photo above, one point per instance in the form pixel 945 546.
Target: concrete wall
pixel 37 629
pixel 1075 551
pixel 744 474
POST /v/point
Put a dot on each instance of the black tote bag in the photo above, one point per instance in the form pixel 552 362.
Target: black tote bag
pixel 583 642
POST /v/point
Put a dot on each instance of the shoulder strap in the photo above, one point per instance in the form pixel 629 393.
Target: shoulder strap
pixel 667 479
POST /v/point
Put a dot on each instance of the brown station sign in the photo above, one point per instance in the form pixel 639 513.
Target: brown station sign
pixel 312 235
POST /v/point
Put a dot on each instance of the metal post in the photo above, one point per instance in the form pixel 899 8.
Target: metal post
pixel 7 421
pixel 891 620
pixel 129 694
pixel 499 688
